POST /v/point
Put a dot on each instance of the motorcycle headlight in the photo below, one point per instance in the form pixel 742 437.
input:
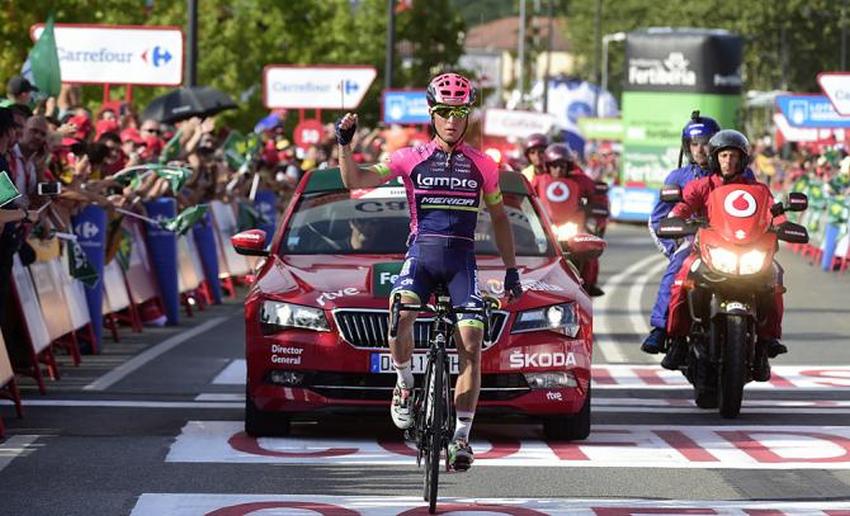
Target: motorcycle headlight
pixel 566 231
pixel 752 262
pixel 561 318
pixel 276 316
pixel 723 260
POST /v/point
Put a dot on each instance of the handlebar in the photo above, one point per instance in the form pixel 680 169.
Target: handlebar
pixel 397 307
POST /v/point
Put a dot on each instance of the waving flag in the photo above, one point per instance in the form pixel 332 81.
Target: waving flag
pixel 176 177
pixel 8 192
pixel 79 265
pixel 42 65
pixel 185 219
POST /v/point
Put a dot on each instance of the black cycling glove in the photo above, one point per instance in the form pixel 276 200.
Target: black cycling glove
pixel 512 284
pixel 344 136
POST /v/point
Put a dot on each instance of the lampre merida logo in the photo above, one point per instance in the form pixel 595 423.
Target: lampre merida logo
pixel 672 71
pixel 446 182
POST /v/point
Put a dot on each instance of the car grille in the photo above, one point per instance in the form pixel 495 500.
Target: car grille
pixel 368 329
pixel 353 386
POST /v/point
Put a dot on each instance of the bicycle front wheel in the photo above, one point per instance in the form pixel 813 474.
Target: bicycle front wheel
pixel 435 415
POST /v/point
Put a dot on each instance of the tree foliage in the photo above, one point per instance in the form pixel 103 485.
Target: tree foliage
pixel 238 38
pixel 786 43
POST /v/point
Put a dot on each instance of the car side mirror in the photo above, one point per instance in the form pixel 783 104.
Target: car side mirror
pixel 797 201
pixel 585 246
pixel 671 193
pixel 792 233
pixel 600 188
pixel 675 228
pixel 250 243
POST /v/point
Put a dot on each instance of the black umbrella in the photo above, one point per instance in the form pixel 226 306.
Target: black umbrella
pixel 185 103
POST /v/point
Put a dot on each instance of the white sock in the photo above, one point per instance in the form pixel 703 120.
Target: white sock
pixel 405 375
pixel 463 425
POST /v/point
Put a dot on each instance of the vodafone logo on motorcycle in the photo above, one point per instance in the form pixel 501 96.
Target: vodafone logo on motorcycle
pixel 740 204
pixel 558 192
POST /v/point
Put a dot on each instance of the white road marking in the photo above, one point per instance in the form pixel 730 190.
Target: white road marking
pixel 233 374
pixel 15 446
pixel 604 324
pixel 125 369
pixel 130 404
pixel 614 446
pixel 192 504
pixel 220 396
pixel 636 315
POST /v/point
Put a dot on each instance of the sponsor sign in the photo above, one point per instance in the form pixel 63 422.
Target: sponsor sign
pixel 836 86
pixel 634 204
pixel 404 107
pixel 811 111
pixel 317 87
pixel 192 504
pixel 740 204
pixel 685 60
pixel 516 124
pixel 383 278
pixel 601 128
pixel 118 54
pixel 752 447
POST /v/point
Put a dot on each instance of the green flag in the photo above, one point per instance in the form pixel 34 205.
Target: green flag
pixel 79 265
pixel 125 249
pixel 172 149
pixel 234 149
pixel 185 219
pixel 248 217
pixel 8 192
pixel 177 177
pixel 42 64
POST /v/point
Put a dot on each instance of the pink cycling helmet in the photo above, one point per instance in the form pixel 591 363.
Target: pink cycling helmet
pixel 450 89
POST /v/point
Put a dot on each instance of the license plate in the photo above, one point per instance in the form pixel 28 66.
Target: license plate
pixel 383 363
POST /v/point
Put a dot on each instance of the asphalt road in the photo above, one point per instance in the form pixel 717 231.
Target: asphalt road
pixel 152 426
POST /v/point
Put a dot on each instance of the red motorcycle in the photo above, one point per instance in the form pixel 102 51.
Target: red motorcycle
pixel 728 284
pixel 572 214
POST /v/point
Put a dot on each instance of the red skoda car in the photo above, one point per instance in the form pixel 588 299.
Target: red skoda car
pixel 316 318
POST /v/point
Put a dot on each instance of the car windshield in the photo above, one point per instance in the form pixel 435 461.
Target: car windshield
pixel 379 223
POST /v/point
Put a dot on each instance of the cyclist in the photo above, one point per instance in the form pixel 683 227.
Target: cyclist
pixel 445 179
pixel 695 135
pixel 533 149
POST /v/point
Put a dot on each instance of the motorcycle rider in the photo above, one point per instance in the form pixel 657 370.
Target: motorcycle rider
pixel 728 157
pixel 445 180
pixel 695 136
pixel 533 149
pixel 554 187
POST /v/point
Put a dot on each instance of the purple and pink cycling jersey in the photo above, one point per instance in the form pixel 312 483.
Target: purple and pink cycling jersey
pixel 444 190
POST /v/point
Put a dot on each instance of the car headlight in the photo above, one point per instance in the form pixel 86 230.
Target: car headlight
pixel 275 316
pixel 562 318
pixel 723 260
pixel 752 262
pixel 565 231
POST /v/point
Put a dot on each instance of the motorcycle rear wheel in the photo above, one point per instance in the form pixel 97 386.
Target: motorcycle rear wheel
pixel 733 366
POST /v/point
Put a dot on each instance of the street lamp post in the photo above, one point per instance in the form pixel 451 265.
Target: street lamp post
pixel 617 36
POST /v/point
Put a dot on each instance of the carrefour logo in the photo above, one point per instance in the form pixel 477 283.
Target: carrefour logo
pixel 87 230
pixel 158 56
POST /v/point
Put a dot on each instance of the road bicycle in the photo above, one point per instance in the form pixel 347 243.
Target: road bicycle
pixel 434 418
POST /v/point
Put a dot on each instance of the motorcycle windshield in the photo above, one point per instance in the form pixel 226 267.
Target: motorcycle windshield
pixel 740 213
pixel 560 198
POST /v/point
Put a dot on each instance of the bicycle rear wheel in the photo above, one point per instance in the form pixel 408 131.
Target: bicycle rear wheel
pixel 435 414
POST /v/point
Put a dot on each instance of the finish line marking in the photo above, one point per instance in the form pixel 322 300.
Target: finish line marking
pixel 610 446
pixel 156 504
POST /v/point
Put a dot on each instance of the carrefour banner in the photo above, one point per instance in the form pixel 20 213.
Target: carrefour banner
pixel 684 60
pixel 670 73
